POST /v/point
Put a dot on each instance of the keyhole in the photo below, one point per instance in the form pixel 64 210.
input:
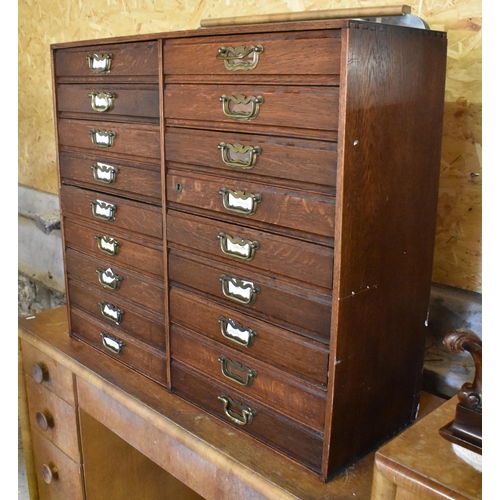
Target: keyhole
pixel 178 187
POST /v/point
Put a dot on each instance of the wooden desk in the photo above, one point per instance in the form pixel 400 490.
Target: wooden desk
pixel 158 443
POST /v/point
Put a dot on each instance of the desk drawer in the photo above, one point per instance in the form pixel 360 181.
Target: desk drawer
pixel 111 211
pixel 58 476
pixel 264 424
pixel 53 417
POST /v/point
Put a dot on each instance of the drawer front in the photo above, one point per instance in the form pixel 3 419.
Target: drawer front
pixel 58 476
pixel 47 372
pixel 273 254
pixel 265 425
pixel 109 101
pixel 304 54
pixel 133 140
pixel 311 162
pixel 281 348
pixel 111 211
pixel 53 417
pixel 259 109
pixel 119 313
pixel 279 302
pixel 117 281
pixel 134 180
pixel 283 392
pixel 250 201
pixel 120 346
pixel 118 248
pixel 136 61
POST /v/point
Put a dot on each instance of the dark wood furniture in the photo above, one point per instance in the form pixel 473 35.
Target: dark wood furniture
pixel 248 220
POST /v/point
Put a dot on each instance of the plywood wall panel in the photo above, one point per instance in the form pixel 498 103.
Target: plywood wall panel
pixel 458 236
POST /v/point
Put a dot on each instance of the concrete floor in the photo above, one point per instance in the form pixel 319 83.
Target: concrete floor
pixel 22 482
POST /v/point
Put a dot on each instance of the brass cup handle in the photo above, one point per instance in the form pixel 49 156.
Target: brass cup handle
pixel 110 312
pixel 106 174
pixel 236 372
pixel 234 57
pixel 102 101
pixel 236 247
pixel 102 138
pixel 238 102
pixel 112 344
pixel 231 152
pixel 236 332
pixel 240 202
pixel 108 279
pixel 243 292
pixel 50 472
pixel 44 420
pixel 103 211
pixel 245 414
pixel 107 244
pixel 100 63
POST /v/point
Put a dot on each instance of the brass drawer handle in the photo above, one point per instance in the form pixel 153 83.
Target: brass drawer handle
pixel 100 63
pixel 236 247
pixel 110 312
pixel 108 279
pixel 102 101
pixel 233 57
pixel 106 174
pixel 103 210
pixel 243 292
pixel 102 138
pixel 236 332
pixel 107 244
pixel 241 101
pixel 50 472
pixel 44 420
pixel 245 415
pixel 39 372
pixel 230 370
pixel 243 157
pixel 240 202
pixel 112 344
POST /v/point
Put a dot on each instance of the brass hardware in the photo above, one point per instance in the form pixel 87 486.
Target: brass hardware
pixel 44 420
pixel 239 202
pixel 102 138
pixel 245 415
pixel 107 244
pixel 236 332
pixel 39 372
pixel 108 279
pixel 103 210
pixel 236 247
pixel 243 292
pixel 109 311
pixel 50 472
pixel 112 344
pixel 238 101
pixel 104 173
pixel 100 63
pixel 229 367
pixel 239 150
pixel 102 101
pixel 233 57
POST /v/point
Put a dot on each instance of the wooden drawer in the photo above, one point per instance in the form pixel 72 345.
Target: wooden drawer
pixel 130 319
pixel 109 101
pixel 111 211
pixel 311 162
pixel 252 201
pixel 118 281
pixel 131 61
pixel 115 176
pixel 287 395
pixel 266 425
pixel 58 476
pixel 307 112
pixel 135 140
pixel 47 372
pixel 272 254
pixel 299 57
pixel 122 347
pixel 115 246
pixel 53 417
pixel 273 300
pixel 288 351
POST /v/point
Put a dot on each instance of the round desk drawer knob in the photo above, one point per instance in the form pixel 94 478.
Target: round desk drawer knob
pixel 49 473
pixel 39 372
pixel 44 420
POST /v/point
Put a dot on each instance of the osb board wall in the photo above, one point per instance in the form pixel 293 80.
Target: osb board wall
pixel 458 237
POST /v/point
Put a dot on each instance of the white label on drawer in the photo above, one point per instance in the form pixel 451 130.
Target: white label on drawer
pixel 245 204
pixel 234 332
pixel 244 291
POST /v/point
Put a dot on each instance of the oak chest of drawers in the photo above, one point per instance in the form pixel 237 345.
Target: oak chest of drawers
pixel 248 218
